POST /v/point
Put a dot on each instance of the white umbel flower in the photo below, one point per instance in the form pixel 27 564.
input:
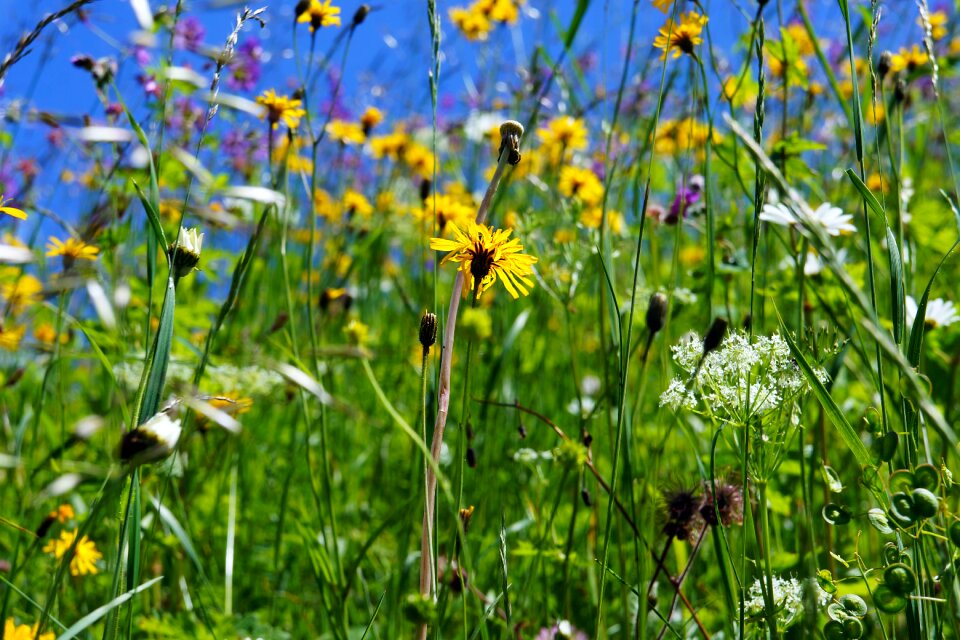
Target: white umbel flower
pixel 833 220
pixel 153 440
pixel 939 313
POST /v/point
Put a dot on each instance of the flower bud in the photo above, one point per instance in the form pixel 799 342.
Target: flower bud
pixel 185 252
pixel 656 313
pixel 884 64
pixel 360 14
pixel 510 133
pixel 900 91
pixel 154 440
pixel 428 331
pixel 714 335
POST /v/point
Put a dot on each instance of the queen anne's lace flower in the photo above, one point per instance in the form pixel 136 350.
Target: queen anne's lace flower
pixel 740 381
pixel 787 598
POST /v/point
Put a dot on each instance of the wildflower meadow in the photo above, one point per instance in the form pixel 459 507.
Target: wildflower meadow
pixel 479 319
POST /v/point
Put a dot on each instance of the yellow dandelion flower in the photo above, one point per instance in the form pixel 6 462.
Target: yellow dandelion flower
pixel 680 38
pixel 370 118
pixel 357 332
pixel 277 108
pixel 13 631
pixel 576 182
pixel 909 59
pixel 346 132
pixel 593 216
pixel 85 554
pixel 355 202
pixel 663 5
pixel 24 291
pixel 10 337
pixel 420 160
pixel 484 254
pixel 391 145
pixel 798 33
pixel 11 211
pixel 72 249
pixel 320 13
pixel 562 134
pixel 62 514
pixel 472 24
pixel 450 211
pixel 938 24
pixel 505 11
pixel 290 148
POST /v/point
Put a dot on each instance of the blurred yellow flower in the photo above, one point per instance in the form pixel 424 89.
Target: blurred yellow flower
pixel 85 554
pixel 908 59
pixel 356 202
pixel 420 160
pixel 10 337
pixel 62 513
pixel 357 332
pixel 680 38
pixel 320 14
pixel 12 631
pixel 562 134
pixel 484 254
pixel 391 145
pixel 663 5
pixel 591 218
pixel 71 249
pixel 472 24
pixel 938 24
pixel 450 211
pixel 346 132
pixel 277 108
pixel 23 291
pixel 370 118
pixel 576 182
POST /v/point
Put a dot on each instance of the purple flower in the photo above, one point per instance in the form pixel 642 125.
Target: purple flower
pixel 188 34
pixel 687 200
pixel 245 68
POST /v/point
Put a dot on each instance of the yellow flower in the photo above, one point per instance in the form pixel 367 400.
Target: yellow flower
pixel 563 134
pixel 85 554
pixel 11 336
pixel 564 236
pixel 63 513
pixel 472 24
pixel 420 160
pixel 12 631
pixel 680 38
pixel 798 33
pixel 277 108
pixel 295 162
pixel 506 11
pixel 908 59
pixel 938 24
pixel 357 332
pixel 584 184
pixel 484 254
pixel 391 145
pixel 346 132
pixel 320 14
pixel 24 291
pixel 355 202
pixel 591 218
pixel 71 250
pixel 450 211
pixel 370 118
pixel 663 5
pixel 11 211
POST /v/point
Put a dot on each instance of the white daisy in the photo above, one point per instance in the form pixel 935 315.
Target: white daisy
pixel 833 220
pixel 939 313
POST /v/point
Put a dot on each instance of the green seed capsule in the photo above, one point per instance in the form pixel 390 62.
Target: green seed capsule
pixel 900 578
pixel 925 503
pixel 853 628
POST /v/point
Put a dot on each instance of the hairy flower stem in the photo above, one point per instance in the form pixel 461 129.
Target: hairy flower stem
pixel 427 572
pixel 678 582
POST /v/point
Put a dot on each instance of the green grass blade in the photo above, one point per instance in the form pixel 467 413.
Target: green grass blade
pixel 152 390
pixel 86 621
pixel 916 331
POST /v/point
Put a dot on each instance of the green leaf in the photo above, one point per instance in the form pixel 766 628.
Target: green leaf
pixel 916 331
pixel 155 373
pixel 847 433
pixel 896 287
pixel 179 532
